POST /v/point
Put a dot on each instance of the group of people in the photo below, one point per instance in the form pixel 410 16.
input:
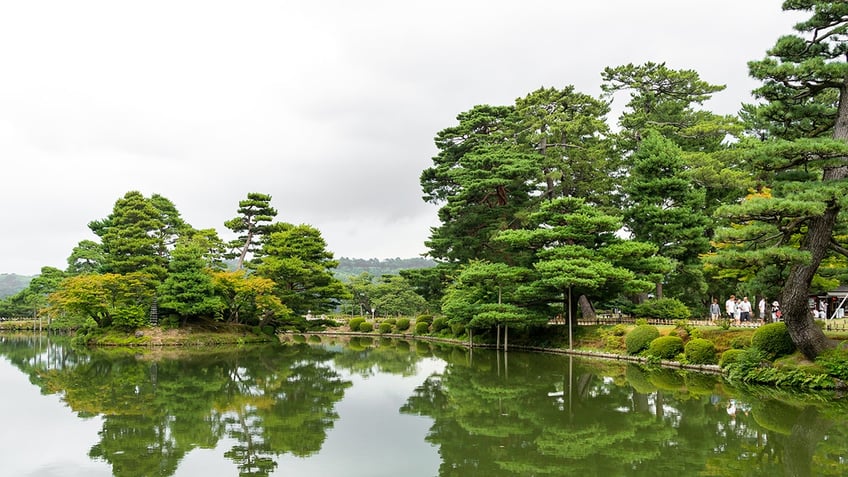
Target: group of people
pixel 741 311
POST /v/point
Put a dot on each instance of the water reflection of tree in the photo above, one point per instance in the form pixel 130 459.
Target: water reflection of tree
pixel 270 401
pixel 365 356
pixel 539 419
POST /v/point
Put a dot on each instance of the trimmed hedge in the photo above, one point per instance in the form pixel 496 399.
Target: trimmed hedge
pixel 663 308
pixel 424 319
pixel 700 351
pixel 666 347
pixel 640 338
pixel 730 356
pixel 366 327
pixel 385 328
pixel 402 324
pixel 355 322
pixel 439 324
pixel 773 339
pixel 422 328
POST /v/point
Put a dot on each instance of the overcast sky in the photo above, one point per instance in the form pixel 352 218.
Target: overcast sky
pixel 329 106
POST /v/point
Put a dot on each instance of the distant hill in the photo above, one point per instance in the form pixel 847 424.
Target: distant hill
pixel 11 283
pixel 351 267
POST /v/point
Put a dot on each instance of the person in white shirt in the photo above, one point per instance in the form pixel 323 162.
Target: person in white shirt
pixel 745 309
pixel 730 308
pixel 762 308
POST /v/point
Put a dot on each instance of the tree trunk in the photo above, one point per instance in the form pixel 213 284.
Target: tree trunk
pixel 586 308
pixel 659 291
pixel 808 337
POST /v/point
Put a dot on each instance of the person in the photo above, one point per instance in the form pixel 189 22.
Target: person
pixel 775 309
pixel 715 311
pixel 737 311
pixel 761 306
pixel 730 307
pixel 745 310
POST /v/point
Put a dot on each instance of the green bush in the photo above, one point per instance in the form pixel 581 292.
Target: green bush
pixel 457 329
pixel 390 321
pixel 835 362
pixel 366 327
pixel 424 319
pixel 730 356
pixel 740 342
pixel 773 339
pixel 640 338
pixel 439 324
pixel 385 327
pixel 666 347
pixel 355 322
pixel 422 328
pixel 700 351
pixel 402 324
pixel 663 308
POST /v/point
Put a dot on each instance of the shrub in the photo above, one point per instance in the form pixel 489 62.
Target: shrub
pixel 773 339
pixel 422 327
pixel 663 308
pixel 740 342
pixel 390 321
pixel 700 351
pixel 424 319
pixel 666 347
pixel 366 327
pixel 355 322
pixel 457 329
pixel 385 327
pixel 729 357
pixel 835 362
pixel 640 338
pixel 402 324
pixel 439 324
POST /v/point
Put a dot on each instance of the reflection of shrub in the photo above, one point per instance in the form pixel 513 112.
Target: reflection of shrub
pixel 666 347
pixel 640 338
pixel 385 327
pixel 773 339
pixel 638 379
pixel 663 308
pixel 700 383
pixel 730 356
pixel 314 339
pixel 402 324
pixel 666 379
pixel 439 324
pixel 366 327
pixel 700 351
pixel 355 322
pixel 422 327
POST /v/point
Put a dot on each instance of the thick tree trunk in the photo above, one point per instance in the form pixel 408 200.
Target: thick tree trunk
pixel 808 337
pixel 586 308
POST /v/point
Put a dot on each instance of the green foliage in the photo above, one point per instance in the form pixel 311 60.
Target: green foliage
pixel 188 290
pixel 457 329
pixel 640 338
pixel 439 324
pixel 391 321
pixel 730 356
pixel 740 342
pixel 129 317
pixel 422 328
pixel 255 213
pixel 663 308
pixel 773 339
pixel 385 327
pixel 354 323
pixel 700 351
pixel 366 327
pixel 424 319
pixel 402 324
pixel 835 362
pixel 665 347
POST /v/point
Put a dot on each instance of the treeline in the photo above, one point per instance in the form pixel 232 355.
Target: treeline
pixel 351 267
pixel 544 205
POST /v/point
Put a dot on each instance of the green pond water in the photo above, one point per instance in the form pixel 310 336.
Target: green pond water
pixel 375 407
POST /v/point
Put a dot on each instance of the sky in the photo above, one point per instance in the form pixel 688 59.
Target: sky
pixel 329 106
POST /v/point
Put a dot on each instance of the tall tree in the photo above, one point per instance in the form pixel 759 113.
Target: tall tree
pixel 295 257
pixel 86 257
pixel 188 290
pixel 255 213
pixel 805 86
pixel 664 207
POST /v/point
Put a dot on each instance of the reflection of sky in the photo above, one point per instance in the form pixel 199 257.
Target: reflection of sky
pixel 39 435
pixel 370 438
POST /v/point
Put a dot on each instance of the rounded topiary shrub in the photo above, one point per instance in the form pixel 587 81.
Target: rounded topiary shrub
pixel 366 327
pixel 773 339
pixel 663 308
pixel 422 328
pixel 700 351
pixel 666 347
pixel 640 338
pixel 402 324
pixel 424 319
pixel 730 356
pixel 439 324
pixel 385 327
pixel 354 323
pixel 390 321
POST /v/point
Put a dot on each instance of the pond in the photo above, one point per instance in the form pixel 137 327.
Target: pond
pixel 379 407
